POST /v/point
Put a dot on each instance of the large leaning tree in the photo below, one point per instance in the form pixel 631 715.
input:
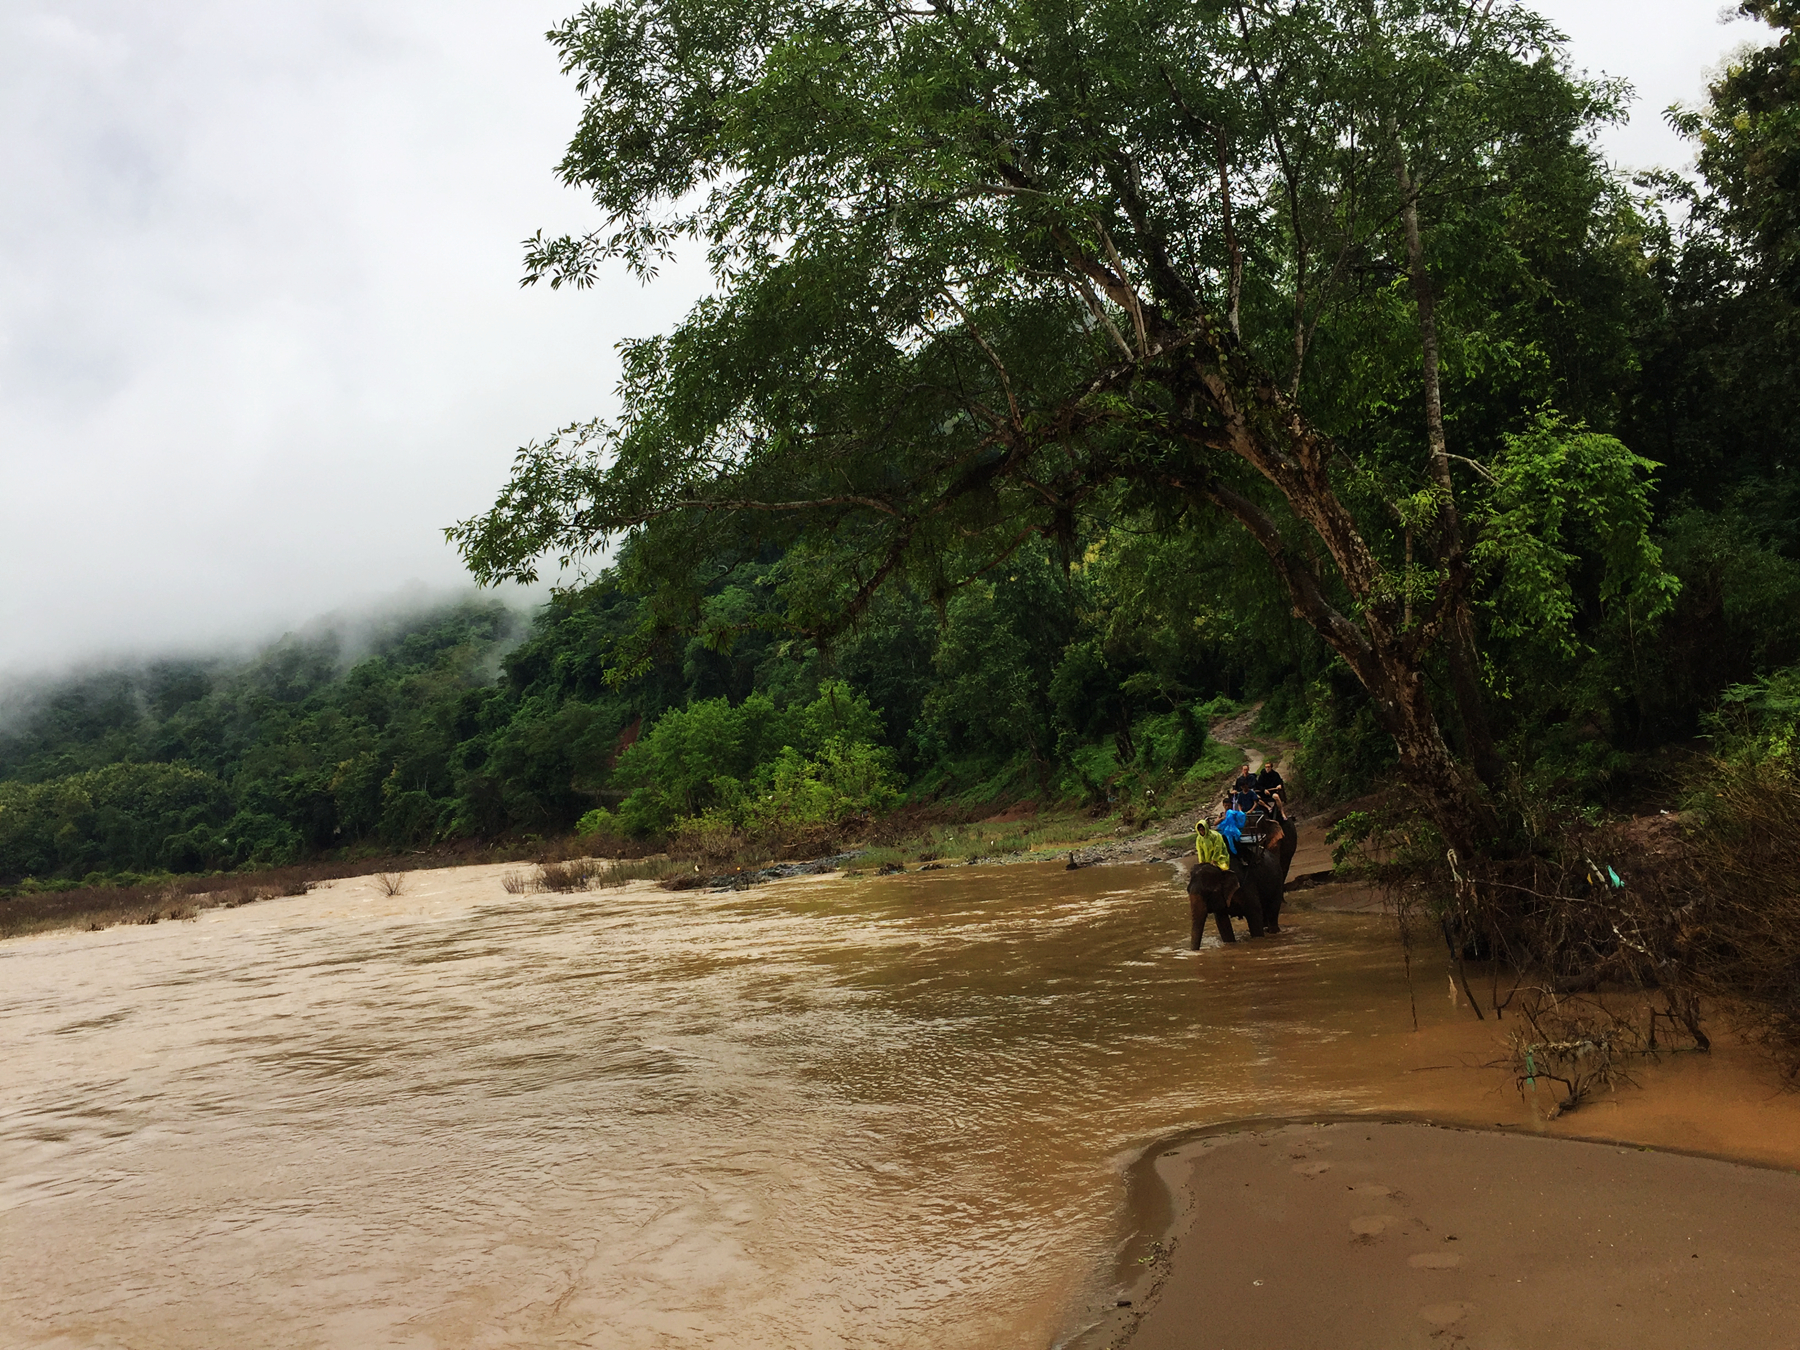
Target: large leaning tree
pixel 984 268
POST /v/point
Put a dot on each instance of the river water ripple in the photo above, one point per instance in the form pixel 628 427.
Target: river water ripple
pixel 840 1112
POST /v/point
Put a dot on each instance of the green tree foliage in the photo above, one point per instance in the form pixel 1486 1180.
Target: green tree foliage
pixel 1546 483
pixel 304 751
pixel 712 754
pixel 1716 404
pixel 1068 371
pixel 1748 139
pixel 142 817
pixel 1000 272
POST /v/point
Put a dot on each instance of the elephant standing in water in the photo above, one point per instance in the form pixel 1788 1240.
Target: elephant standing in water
pixel 1212 890
pixel 1258 872
pixel 1250 890
pixel 1225 896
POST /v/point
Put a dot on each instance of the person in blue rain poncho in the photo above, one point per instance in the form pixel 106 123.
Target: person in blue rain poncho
pixel 1231 825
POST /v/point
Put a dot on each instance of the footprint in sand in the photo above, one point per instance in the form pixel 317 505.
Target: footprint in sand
pixel 1445 1314
pixel 1434 1261
pixel 1370 1226
pixel 1312 1169
pixel 1371 1189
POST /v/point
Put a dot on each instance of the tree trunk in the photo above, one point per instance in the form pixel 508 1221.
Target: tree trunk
pixel 1235 407
pixel 1450 793
pixel 1459 631
pixel 1386 657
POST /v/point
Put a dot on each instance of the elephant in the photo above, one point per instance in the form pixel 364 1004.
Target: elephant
pixel 1214 891
pixel 1251 891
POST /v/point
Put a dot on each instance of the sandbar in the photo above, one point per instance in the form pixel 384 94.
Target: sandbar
pixel 1385 1234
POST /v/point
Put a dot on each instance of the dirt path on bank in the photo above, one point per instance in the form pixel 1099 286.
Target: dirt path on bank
pixel 1310 883
pixel 1235 732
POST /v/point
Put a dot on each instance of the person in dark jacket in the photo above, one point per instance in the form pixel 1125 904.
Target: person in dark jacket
pixel 1274 793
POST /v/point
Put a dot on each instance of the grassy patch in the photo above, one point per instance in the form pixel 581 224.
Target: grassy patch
pixel 979 781
pixel 1212 771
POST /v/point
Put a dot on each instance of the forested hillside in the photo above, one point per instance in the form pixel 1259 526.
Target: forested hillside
pixel 891 524
pixel 472 723
pixel 1087 686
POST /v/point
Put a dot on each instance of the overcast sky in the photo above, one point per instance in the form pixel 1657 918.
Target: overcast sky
pixel 261 334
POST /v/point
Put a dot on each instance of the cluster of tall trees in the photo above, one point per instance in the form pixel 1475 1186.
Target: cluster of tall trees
pixel 1067 369
pixel 1345 278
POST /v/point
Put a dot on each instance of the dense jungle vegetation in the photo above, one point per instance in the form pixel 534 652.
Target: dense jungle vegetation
pixel 1072 378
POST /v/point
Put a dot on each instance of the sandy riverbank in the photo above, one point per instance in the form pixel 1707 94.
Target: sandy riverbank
pixel 1364 1234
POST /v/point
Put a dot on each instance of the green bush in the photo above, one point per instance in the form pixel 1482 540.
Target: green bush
pixel 599 821
pixel 847 778
pixel 757 767
pixel 1759 720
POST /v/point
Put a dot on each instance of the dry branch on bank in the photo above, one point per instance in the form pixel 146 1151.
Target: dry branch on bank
pixel 577 874
pixel 1589 1043
pixel 1653 914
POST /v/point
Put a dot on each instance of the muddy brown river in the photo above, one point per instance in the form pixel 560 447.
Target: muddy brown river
pixel 836 1112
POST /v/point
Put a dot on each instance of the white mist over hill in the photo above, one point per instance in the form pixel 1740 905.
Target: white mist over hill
pixel 261 333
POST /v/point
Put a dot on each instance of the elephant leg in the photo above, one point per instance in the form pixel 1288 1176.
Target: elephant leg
pixel 1224 898
pixel 1249 888
pixel 1197 908
pixel 1271 887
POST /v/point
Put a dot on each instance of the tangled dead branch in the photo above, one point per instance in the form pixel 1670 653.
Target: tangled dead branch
pixel 577 874
pixel 1588 1043
pixel 1667 909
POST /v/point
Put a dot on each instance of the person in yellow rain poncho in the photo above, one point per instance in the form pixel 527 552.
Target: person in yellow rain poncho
pixel 1209 845
pixel 1211 886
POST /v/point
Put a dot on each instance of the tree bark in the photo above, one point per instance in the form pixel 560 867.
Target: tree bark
pixel 1262 428
pixel 1459 631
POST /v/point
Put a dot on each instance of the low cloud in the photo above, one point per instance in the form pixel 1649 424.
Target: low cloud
pixel 261 335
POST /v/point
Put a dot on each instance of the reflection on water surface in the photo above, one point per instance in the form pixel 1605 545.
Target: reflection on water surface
pixel 857 1112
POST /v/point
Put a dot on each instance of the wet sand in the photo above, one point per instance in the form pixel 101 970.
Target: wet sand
pixel 1387 1235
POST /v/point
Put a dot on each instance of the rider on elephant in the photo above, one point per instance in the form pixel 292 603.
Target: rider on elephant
pixel 1211 887
pixel 1255 862
pixel 1274 792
